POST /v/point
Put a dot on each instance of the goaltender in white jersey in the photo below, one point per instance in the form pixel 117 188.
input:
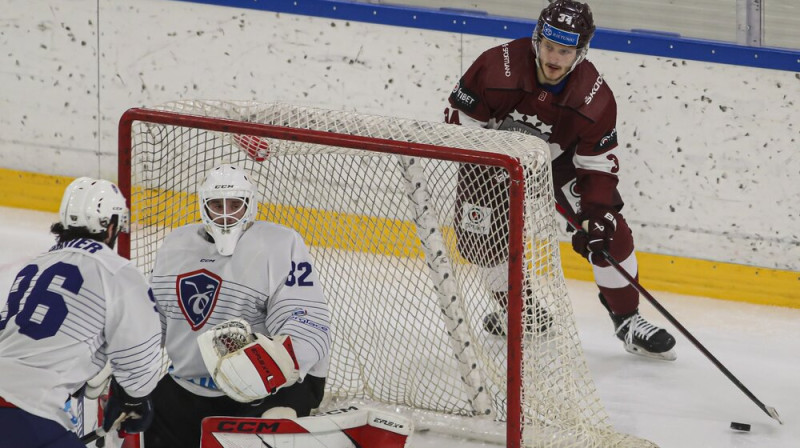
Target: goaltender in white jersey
pixel 69 312
pixel 235 279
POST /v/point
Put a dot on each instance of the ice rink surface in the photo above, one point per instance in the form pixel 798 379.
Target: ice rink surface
pixel 688 403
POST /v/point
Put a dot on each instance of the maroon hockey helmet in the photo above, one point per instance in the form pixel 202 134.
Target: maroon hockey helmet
pixel 565 22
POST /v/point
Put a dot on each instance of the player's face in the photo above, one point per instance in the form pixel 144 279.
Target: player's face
pixel 226 211
pixel 555 61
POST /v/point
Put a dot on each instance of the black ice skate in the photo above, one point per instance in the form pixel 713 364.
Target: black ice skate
pixel 537 320
pixel 640 337
pixel 643 338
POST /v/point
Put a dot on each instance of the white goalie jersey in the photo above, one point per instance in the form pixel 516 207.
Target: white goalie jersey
pixel 269 281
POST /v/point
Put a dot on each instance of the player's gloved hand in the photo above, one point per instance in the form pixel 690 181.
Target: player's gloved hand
pixel 133 414
pixel 597 234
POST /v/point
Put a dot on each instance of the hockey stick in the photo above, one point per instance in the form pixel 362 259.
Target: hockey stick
pixel 769 410
pixel 100 432
pixel 92 436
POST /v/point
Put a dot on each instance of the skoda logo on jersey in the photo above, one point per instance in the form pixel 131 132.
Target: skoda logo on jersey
pixel 197 295
pixel 560 36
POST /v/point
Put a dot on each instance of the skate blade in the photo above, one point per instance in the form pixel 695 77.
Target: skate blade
pixel 669 355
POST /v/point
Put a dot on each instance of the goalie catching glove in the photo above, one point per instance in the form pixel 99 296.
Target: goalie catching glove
pixel 248 366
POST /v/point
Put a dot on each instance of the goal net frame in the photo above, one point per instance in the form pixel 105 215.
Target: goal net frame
pixel 206 116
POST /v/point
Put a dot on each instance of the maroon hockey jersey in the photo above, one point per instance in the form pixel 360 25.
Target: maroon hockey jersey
pixel 578 122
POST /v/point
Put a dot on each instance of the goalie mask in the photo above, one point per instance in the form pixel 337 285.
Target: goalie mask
pixel 227 206
pixel 94 204
pixel 567 23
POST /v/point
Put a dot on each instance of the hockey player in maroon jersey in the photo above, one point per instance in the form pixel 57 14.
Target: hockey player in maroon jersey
pixel 544 86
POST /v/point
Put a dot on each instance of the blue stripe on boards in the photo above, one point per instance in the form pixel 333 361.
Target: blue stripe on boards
pixel 479 23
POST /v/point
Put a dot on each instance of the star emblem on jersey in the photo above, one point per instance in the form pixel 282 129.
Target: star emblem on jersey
pixel 197 294
pixel 533 121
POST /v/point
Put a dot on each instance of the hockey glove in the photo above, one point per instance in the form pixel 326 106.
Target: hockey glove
pixel 133 414
pixel 598 232
pixel 246 366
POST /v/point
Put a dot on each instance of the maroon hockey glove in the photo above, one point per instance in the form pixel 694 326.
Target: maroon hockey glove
pixel 597 234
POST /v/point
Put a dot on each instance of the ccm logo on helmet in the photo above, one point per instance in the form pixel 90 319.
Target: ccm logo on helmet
pixel 219 187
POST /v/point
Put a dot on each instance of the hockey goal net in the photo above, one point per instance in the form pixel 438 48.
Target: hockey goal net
pixel 401 219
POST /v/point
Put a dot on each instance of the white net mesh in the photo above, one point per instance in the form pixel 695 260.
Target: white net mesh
pixel 407 249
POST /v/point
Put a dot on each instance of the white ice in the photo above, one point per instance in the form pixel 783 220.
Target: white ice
pixel 688 403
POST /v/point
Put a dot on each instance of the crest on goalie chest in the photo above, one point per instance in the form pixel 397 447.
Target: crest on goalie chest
pixel 197 295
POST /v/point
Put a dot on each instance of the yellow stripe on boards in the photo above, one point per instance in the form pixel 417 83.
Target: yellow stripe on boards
pixel 679 275
pixel 705 278
pixel 346 231
pixel 33 191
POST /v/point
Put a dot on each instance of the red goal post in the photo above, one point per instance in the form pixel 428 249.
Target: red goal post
pixel 380 202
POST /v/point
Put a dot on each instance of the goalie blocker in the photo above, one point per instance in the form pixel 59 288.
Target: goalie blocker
pixel 349 427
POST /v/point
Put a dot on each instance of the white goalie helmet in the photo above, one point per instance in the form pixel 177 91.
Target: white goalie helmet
pixel 94 204
pixel 227 205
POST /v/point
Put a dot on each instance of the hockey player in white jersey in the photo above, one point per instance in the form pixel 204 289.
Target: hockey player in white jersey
pixel 244 318
pixel 69 312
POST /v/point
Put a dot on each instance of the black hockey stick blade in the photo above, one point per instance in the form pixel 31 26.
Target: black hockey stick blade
pixel 769 410
pixel 92 436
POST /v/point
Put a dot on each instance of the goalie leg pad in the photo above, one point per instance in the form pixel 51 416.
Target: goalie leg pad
pixel 342 428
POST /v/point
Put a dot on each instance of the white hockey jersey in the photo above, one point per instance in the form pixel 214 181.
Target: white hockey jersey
pixel 68 312
pixel 269 281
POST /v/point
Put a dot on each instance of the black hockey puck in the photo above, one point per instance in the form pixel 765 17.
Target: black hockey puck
pixel 740 426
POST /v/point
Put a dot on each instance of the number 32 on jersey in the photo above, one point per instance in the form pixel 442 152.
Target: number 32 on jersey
pixel 299 273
